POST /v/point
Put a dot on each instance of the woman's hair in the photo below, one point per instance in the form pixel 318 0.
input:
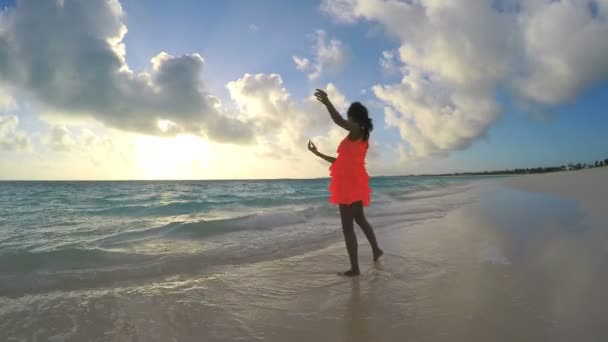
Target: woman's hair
pixel 358 112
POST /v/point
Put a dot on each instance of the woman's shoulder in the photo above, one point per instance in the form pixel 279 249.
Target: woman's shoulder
pixel 354 136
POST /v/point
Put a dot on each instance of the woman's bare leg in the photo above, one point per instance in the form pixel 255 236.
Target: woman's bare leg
pixel 348 228
pixel 367 229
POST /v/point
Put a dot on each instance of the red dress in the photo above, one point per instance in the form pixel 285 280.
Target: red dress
pixel 349 179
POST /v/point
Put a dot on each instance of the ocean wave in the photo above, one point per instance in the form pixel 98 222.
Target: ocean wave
pixel 277 217
pixel 201 229
pixel 195 207
pixel 100 239
pixel 62 259
pixel 434 192
pixel 39 280
pixel 171 209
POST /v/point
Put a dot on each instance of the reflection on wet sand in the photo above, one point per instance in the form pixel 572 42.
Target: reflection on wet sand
pixel 356 316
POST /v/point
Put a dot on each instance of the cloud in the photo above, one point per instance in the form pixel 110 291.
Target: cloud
pixel 261 97
pixel 83 147
pixel 279 122
pixel 330 56
pixel 389 63
pixel 321 122
pixel 453 58
pixel 343 10
pixel 253 28
pixel 380 156
pixel 301 63
pixel 434 118
pixel 10 138
pixel 59 138
pixel 565 49
pixel 329 135
pixel 337 98
pixel 284 126
pixel 100 150
pixel 69 56
pixel 7 102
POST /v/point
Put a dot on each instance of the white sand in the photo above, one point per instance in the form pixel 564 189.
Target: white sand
pixel 589 187
pixel 511 266
pixel 506 265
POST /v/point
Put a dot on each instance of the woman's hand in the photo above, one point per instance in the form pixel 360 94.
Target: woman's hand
pixel 335 116
pixel 322 96
pixel 311 147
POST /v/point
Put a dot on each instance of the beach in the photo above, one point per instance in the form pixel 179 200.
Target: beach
pixel 503 259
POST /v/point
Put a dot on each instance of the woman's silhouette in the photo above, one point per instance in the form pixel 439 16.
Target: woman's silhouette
pixel 349 185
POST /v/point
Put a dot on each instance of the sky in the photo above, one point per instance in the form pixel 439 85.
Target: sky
pixel 106 89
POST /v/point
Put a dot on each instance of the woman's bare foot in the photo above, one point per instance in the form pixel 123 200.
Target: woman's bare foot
pixel 350 273
pixel 378 254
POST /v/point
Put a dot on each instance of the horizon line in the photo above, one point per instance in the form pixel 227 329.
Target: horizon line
pixel 448 174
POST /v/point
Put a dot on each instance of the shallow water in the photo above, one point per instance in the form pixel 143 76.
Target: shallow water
pixel 72 235
pixel 496 265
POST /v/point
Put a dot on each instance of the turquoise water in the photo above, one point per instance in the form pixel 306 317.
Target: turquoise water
pixel 71 234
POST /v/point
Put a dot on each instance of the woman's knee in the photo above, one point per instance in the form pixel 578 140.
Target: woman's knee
pixel 348 227
pixel 360 219
pixel 358 215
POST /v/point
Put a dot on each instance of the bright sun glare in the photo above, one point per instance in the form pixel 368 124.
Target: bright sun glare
pixel 182 157
pixel 165 125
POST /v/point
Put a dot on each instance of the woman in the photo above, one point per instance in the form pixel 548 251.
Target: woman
pixel 349 185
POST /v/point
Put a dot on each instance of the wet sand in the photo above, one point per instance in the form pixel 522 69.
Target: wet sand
pixel 522 259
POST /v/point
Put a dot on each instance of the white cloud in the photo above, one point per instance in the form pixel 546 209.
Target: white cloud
pixel 102 149
pixel 253 28
pixel 330 56
pixel 454 56
pixel 342 10
pixel 284 126
pixel 59 138
pixel 565 48
pixel 69 56
pixel 84 149
pixel 280 124
pixel 69 59
pixel 389 63
pixel 301 63
pixel 261 97
pixel 329 135
pixel 100 154
pixel 7 102
pixel 10 138
pixel 433 118
pixel 321 122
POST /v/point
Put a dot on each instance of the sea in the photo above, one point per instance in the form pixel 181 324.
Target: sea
pixel 61 240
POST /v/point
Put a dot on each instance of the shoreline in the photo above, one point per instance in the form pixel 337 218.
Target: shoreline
pixel 589 187
pixel 508 263
pixel 500 173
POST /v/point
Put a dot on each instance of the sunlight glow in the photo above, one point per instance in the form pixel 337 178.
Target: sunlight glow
pixel 165 125
pixel 181 157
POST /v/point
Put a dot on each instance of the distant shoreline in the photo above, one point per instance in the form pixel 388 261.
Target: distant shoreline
pixel 216 180
pixel 515 172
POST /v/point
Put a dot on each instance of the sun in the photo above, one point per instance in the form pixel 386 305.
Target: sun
pixel 181 157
